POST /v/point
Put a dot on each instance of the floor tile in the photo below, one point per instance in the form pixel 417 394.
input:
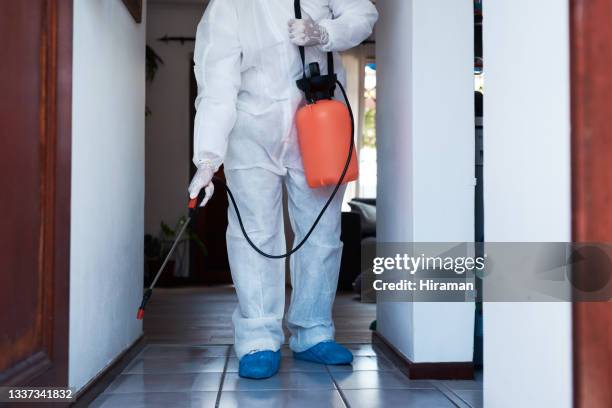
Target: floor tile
pixel 165 383
pixel 158 351
pixel 472 397
pixel 356 380
pixel 363 363
pixel 397 398
pixel 176 365
pixel 286 351
pixel 463 384
pixel 363 349
pixel 287 364
pixel 450 394
pixel 281 399
pixel 281 381
pixel 156 400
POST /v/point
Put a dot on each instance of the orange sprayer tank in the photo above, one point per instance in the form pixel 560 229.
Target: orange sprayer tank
pixel 324 131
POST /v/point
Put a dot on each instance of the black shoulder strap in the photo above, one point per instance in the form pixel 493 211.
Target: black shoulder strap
pixel 298 15
pixel 330 56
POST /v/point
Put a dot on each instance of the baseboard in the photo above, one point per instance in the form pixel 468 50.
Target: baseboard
pixel 95 386
pixel 423 371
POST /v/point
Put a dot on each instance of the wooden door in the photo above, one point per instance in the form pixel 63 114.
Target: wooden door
pixel 591 77
pixel 35 115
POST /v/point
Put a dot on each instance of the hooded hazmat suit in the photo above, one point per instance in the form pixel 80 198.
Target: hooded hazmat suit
pixel 246 68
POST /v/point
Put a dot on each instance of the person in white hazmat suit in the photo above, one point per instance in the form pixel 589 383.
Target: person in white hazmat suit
pixel 246 66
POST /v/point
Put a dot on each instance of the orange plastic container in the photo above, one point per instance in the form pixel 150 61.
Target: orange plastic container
pixel 324 131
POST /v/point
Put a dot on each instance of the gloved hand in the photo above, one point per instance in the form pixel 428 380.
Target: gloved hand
pixel 305 32
pixel 202 179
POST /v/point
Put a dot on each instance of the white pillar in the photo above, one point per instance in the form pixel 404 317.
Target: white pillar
pixel 527 346
pixel 425 139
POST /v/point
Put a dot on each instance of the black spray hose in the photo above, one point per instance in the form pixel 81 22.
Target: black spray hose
pixel 329 200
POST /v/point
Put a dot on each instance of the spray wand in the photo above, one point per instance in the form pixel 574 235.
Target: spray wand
pixel 193 207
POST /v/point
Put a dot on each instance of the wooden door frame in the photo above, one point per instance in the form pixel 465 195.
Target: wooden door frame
pixel 49 367
pixel 60 130
pixel 591 99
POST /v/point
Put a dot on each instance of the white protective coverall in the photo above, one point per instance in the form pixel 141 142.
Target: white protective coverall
pixel 246 68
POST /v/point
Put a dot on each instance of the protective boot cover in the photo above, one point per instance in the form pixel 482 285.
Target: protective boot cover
pixel 326 352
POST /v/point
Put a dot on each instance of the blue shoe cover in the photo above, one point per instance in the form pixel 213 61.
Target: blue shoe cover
pixel 326 352
pixel 260 364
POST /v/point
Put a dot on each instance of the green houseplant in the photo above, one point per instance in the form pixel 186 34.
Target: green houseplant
pixel 156 248
pixel 152 63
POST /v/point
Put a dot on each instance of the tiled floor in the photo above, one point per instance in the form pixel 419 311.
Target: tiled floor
pixel 203 315
pixel 189 363
pixel 206 376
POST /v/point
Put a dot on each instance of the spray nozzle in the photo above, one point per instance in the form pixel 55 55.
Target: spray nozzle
pixel 145 298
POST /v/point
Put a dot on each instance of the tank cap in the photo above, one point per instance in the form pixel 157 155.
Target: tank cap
pixel 317 87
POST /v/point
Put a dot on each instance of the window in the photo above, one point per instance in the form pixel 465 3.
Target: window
pixel 367 145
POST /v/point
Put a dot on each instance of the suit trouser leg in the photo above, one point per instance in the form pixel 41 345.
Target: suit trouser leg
pixel 259 281
pixel 315 267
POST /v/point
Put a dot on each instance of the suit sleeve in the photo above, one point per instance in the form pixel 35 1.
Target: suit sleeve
pixel 217 58
pixel 352 23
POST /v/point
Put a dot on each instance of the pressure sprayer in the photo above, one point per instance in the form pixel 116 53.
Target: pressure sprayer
pixel 325 130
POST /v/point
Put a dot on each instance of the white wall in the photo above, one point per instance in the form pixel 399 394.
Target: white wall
pixel 527 347
pixel 425 141
pixel 106 252
pixel 168 135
